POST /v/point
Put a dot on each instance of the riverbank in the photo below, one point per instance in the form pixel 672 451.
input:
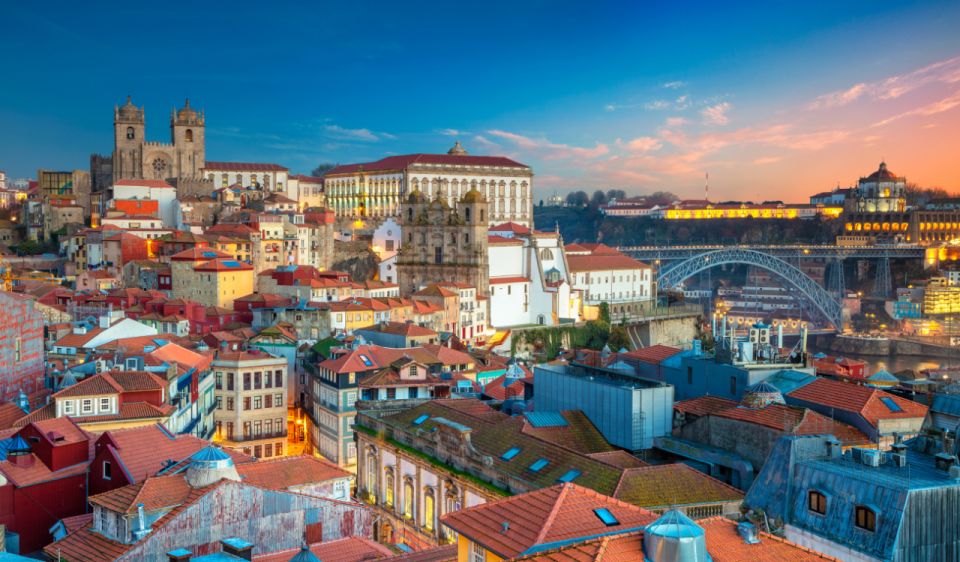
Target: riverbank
pixel 883 347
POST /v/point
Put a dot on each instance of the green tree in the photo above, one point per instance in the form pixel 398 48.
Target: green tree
pixel 604 315
pixel 322 169
pixel 619 339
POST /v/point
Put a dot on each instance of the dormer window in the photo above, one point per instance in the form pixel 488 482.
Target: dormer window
pixel 104 404
pixel 865 518
pixel 817 502
pixel 86 406
pixel 68 407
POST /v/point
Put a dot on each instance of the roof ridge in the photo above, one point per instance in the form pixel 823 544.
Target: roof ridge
pixel 602 548
pixel 564 490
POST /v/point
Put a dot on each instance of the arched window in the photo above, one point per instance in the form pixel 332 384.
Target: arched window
pixel 408 499
pixel 428 510
pixel 225 177
pixel 546 254
pixel 240 179
pixel 131 134
pixel 388 489
pixel 481 215
pixel 466 238
pixel 467 213
pixel 188 136
pixel 410 215
pixel 817 502
pixel 866 518
pixel 372 476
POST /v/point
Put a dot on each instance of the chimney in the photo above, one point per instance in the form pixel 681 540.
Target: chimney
pixel 238 547
pixel 944 461
pixel 179 555
pixel 748 532
pixel 142 529
pixel 834 447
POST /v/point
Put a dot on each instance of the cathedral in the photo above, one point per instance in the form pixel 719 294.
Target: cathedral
pixel 134 157
pixel 444 243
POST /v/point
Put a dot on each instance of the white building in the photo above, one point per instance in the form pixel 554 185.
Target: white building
pixel 306 190
pixel 155 190
pixel 266 177
pixel 602 274
pixel 377 189
pixel 530 282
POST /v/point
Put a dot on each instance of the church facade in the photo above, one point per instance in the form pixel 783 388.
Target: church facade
pixel 377 190
pixel 443 242
pixel 134 157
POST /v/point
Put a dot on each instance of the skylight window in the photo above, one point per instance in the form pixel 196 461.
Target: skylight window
pixel 570 476
pixel 366 360
pixel 539 464
pixel 608 519
pixel 890 404
pixel 512 452
pixel 421 419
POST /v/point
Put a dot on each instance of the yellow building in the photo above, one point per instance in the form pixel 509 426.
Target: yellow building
pixel 219 282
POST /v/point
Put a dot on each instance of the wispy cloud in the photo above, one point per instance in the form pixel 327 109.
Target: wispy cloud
pixel 641 144
pixel 717 114
pixel 343 133
pixel 946 71
pixel 834 99
pixel 933 108
pixel 767 160
pixel 550 150
pixel 657 105
pixel 674 85
pixel 451 132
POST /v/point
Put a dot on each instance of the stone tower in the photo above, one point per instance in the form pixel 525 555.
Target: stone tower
pixel 444 242
pixel 187 133
pixel 129 130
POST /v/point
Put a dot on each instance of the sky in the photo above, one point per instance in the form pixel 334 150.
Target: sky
pixel 774 100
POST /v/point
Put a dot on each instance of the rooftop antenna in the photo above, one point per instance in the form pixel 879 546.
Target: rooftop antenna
pixel 706 186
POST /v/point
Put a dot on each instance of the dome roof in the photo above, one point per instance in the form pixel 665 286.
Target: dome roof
pixel 186 113
pixel 674 537
pixel 305 555
pixel 458 150
pixel 210 465
pixel 882 174
pixel 128 110
pixel 416 196
pixel 762 395
pixel 472 196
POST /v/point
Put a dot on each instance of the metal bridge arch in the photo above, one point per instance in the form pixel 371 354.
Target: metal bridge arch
pixel 817 295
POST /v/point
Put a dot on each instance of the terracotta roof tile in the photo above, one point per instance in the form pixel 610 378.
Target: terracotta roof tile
pixel 350 549
pixel 665 485
pixel 858 399
pixel 401 162
pixel 619 459
pixel 242 167
pixel 704 405
pixel 725 544
pixel 113 382
pixel 544 517
pixel 286 472
pixel 603 262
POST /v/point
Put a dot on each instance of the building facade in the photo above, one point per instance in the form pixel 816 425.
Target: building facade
pixel 251 398
pixel 21 347
pixel 378 189
pixel 444 242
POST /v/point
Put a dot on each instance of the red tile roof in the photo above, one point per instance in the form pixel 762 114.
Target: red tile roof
pixel 596 262
pixel 113 382
pixel 857 399
pixel 154 492
pixel 198 253
pixel 10 413
pixel 543 517
pixel 725 544
pixel 408 329
pixel 143 183
pixel 704 405
pixel 222 264
pixel 403 161
pixel 493 240
pixel 653 354
pixel 242 167
pixel 510 227
pixel 286 472
pixel 446 553
pixel 496 390
pixel 619 459
pixel 665 485
pixel 350 549
pixel 506 280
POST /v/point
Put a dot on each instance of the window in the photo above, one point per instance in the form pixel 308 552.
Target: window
pixel 538 465
pixel 246 381
pixel 107 470
pixel 428 511
pixel 268 450
pixel 512 452
pixel 733 385
pixel 219 400
pixel 278 379
pixel 229 403
pixel 268 381
pixel 230 381
pixel 388 490
pixel 268 426
pixel 570 476
pixel 219 381
pixel 68 407
pixel 86 406
pixel 257 428
pixel 268 401
pixel 246 430
pixel 391 394
pixel 477 553
pixel 438 254
pixel 278 449
pixel 414 371
pixel 257 380
pixel 246 403
pixel 257 402
pixel 408 499
pixel 258 451
pixel 230 430
pixel 689 375
pixel 608 518
pixel 866 518
pixel 278 400
pixel 817 502
pixel 131 134
pixel 104 404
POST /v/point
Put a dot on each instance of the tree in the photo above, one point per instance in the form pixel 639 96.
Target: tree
pixel 599 198
pixel 604 315
pixel 619 339
pixel 661 198
pixel 617 194
pixel 322 169
pixel 578 199
pixel 541 203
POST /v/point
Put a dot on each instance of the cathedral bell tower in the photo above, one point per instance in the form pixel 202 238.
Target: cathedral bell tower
pixel 187 135
pixel 129 128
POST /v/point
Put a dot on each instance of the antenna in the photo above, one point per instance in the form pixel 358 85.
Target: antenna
pixel 706 186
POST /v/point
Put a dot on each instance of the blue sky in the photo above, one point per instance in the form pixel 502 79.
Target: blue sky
pixel 789 96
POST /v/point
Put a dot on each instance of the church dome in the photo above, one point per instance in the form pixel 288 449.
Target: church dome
pixel 762 395
pixel 458 150
pixel 416 196
pixel 210 465
pixel 882 174
pixel 128 111
pixel 472 196
pixel 186 113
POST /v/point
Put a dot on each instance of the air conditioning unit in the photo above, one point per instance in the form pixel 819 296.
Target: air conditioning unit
pixel 764 337
pixel 870 457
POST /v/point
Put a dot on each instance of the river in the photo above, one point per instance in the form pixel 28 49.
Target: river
pixel 895 363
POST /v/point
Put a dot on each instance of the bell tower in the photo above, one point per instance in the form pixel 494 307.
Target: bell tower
pixel 129 129
pixel 187 135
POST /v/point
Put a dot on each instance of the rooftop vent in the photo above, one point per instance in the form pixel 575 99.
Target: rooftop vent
pixel 674 537
pixel 870 457
pixel 944 461
pixel 748 532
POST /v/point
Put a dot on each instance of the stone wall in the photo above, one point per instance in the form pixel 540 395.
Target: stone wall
pixel 356 259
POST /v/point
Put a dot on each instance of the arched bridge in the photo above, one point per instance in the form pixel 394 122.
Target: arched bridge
pixel 826 303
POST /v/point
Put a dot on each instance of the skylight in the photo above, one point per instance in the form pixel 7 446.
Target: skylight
pixel 512 452
pixel 366 360
pixel 421 419
pixel 570 476
pixel 538 465
pixel 890 404
pixel 608 519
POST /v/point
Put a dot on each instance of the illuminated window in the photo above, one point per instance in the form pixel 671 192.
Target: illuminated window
pixel 408 499
pixel 866 518
pixel 428 511
pixel 817 502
